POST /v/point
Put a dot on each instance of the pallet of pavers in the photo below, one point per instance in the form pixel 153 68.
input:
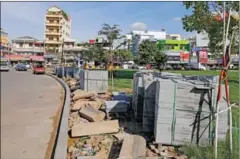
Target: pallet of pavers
pixel 184 111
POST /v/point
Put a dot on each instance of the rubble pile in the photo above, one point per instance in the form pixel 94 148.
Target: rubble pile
pixel 92 135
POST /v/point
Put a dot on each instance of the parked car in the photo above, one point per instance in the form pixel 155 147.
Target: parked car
pixel 187 67
pixel 4 67
pixel 177 67
pixel 28 66
pixel 21 67
pixel 38 69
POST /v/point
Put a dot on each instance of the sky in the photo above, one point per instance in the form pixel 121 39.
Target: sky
pixel 27 18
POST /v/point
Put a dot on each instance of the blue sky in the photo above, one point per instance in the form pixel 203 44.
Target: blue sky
pixel 27 18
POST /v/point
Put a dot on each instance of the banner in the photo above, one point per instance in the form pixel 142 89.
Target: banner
pixel 184 56
pixel 203 56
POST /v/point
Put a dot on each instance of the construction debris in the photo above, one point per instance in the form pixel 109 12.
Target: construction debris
pixel 81 95
pixel 95 137
pixel 74 119
pixel 133 146
pixel 81 104
pixel 91 114
pixel 93 147
pixel 95 128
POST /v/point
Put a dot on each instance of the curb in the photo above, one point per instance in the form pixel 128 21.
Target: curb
pixel 60 144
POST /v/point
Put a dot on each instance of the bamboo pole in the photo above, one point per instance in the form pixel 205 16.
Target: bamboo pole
pixel 217 106
pixel 228 102
pixel 239 74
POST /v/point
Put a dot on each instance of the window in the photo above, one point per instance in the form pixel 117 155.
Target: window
pixel 50 38
pixel 30 44
pixel 183 47
pixel 21 45
pixel 51 21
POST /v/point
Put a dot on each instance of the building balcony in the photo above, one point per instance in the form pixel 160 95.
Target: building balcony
pixel 52 24
pixel 74 49
pixel 52 33
pixel 53 15
pixel 32 49
pixel 53 42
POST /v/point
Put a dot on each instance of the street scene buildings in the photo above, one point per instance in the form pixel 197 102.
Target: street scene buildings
pixel 58 42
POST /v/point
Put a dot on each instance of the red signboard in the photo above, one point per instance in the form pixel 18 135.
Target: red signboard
pixel 203 56
pixel 91 41
pixel 184 56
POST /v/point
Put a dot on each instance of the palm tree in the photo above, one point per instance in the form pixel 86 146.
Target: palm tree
pixel 111 33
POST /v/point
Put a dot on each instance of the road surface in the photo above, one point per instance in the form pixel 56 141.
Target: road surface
pixel 28 104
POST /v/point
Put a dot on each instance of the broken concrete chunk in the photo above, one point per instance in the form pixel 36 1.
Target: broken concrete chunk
pixel 91 114
pixel 82 95
pixel 81 104
pixel 95 128
pixel 133 146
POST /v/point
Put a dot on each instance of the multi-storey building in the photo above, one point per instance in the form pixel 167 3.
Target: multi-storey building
pixel 4 47
pixel 137 36
pixel 57 28
pixel 27 45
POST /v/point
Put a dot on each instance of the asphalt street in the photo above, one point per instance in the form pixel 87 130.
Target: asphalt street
pixel 28 104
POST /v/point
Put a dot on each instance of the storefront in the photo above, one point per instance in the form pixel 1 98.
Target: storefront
pixel 199 55
pixel 177 57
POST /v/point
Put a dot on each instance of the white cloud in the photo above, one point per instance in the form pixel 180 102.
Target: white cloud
pixel 177 19
pixel 138 26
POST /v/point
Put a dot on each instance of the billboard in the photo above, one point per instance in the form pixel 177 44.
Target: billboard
pixel 203 56
pixel 177 56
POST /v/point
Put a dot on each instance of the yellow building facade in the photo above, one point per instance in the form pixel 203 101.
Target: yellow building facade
pixel 4 38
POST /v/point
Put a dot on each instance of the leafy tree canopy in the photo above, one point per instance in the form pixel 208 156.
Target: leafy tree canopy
pixel 150 53
pixel 204 19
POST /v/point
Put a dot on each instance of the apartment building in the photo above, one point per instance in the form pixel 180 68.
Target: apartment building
pixel 27 45
pixel 57 28
pixel 4 47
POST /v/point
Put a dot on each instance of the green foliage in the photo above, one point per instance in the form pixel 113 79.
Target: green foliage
pixel 124 55
pixel 111 32
pixel 160 59
pixel 150 53
pixel 95 53
pixel 146 52
pixel 203 19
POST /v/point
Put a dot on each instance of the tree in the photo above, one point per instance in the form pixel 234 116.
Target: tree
pixel 111 33
pixel 96 53
pixel 124 55
pixel 160 59
pixel 205 18
pixel 146 52
pixel 150 53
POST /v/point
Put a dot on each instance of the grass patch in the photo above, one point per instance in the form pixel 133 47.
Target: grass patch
pixel 121 85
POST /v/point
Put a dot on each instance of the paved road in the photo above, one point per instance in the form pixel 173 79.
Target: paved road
pixel 28 103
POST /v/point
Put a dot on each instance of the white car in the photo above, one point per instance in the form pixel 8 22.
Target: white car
pixel 4 67
pixel 28 66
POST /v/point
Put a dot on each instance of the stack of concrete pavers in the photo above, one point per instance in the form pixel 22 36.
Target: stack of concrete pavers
pixel 94 80
pixel 178 109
